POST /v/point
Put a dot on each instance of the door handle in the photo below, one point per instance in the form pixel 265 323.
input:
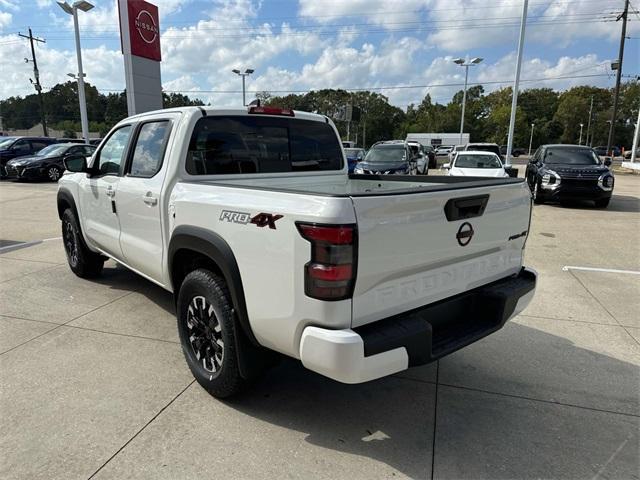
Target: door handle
pixel 149 200
pixel 111 192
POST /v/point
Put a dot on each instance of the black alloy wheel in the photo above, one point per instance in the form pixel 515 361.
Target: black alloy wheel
pixel 70 240
pixel 205 334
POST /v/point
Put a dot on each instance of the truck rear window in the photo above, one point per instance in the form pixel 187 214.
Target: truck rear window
pixel 257 144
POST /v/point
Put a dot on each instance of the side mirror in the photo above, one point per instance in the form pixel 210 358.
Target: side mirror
pixel 446 166
pixel 75 163
pixel 607 162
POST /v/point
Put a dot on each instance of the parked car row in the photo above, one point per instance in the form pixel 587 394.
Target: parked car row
pixel 35 157
pixel 47 164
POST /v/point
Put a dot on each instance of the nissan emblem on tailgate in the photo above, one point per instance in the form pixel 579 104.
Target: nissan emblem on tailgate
pixel 465 234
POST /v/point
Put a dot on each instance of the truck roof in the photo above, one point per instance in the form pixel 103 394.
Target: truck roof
pixel 207 110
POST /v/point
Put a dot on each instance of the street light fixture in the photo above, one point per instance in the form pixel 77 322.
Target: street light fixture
pixel 244 74
pixel 73 11
pixel 531 138
pixel 580 141
pixel 466 64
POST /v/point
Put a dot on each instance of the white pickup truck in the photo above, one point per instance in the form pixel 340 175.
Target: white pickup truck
pixel 250 218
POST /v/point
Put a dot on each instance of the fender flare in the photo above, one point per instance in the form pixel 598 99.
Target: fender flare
pixel 214 247
pixel 64 196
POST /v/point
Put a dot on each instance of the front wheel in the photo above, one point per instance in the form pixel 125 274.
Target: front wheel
pixel 207 331
pixel 54 173
pixel 82 261
pixel 602 203
pixel 537 198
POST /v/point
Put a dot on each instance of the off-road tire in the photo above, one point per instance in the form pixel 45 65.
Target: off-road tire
pixel 82 261
pixel 202 287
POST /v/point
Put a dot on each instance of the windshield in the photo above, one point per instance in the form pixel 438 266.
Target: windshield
pixel 571 156
pixel 477 161
pixel 6 142
pixel 386 154
pixel 52 150
pixel 354 152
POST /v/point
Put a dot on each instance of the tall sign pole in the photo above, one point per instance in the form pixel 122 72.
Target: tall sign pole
pixel 516 82
pixel 36 74
pixel 622 16
pixel 140 39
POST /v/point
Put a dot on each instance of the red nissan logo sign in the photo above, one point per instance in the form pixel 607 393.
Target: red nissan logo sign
pixel 146 26
pixel 144 29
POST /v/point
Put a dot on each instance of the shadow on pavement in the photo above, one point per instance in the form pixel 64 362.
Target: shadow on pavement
pixel 479 434
pixel 619 203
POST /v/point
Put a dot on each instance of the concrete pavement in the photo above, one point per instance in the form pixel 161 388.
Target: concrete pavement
pixel 93 383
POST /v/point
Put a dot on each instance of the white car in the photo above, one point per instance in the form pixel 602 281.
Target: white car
pixel 249 217
pixel 476 164
pixel 455 150
pixel 443 150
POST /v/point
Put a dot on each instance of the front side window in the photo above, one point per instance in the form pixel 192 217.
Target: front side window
pixel 38 145
pixel 149 149
pixel 257 144
pixel 113 151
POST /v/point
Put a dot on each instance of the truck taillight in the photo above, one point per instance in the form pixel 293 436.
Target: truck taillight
pixel 331 273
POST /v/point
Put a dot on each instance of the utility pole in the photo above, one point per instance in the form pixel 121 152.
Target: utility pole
pixel 36 74
pixel 586 140
pixel 622 16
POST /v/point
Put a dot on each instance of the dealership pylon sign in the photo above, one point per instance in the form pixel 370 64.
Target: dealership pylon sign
pixel 140 39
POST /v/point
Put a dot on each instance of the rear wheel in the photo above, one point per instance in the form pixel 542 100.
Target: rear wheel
pixel 82 261
pixel 208 331
pixel 602 203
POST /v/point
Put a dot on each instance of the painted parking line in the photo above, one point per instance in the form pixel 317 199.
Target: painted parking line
pixel 21 245
pixel 566 268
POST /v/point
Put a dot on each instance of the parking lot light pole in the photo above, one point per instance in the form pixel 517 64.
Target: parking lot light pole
pixel 244 74
pixel 466 64
pixel 580 141
pixel 531 138
pixel 516 83
pixel 73 11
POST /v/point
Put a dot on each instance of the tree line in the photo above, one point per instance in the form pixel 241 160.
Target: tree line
pixel 556 115
pixel 63 111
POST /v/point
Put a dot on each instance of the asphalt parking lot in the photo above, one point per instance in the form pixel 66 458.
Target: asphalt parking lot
pixel 94 385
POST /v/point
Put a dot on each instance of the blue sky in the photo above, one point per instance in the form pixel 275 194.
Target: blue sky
pixel 297 45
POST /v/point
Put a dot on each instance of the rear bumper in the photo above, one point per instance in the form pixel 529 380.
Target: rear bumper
pixel 417 337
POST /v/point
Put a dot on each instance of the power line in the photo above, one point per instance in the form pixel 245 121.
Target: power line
pixel 369 13
pixel 374 88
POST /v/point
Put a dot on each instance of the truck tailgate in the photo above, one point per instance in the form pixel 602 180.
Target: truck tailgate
pixel 417 248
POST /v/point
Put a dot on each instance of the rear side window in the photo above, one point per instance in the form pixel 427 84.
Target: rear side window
pixel 38 145
pixel 256 144
pixel 149 149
